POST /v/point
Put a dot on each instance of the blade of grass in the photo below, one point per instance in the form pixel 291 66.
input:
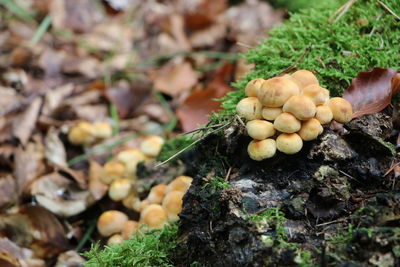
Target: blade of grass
pixel 43 27
pixel 115 119
pixel 101 149
pixel 170 126
pixel 21 13
pixel 87 235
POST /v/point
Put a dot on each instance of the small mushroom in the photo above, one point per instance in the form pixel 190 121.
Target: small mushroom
pixel 317 94
pixel 131 158
pixel 287 123
pixel 112 170
pixel 152 145
pixel 310 129
pixel 302 107
pixel 111 222
pixel 249 108
pixel 172 204
pixel 157 194
pixel 102 130
pixel 116 239
pixel 259 150
pixel 129 228
pixel 180 183
pixel 253 86
pixel 119 189
pixel 303 78
pixel 81 134
pixel 260 129
pixel 289 143
pixel 154 216
pixel 270 114
pixel 324 114
pixel 341 109
pixel 276 91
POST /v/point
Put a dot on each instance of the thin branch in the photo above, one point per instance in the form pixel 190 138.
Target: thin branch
pixel 192 144
pixel 388 9
pixel 341 11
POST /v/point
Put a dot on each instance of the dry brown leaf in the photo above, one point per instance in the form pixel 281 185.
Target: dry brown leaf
pixel 96 187
pixel 54 98
pixel 372 91
pixel 24 124
pixel 54 149
pixel 50 61
pixel 60 195
pixel 36 228
pixel 8 190
pixel 77 15
pixel 174 78
pixel 29 164
pixel 70 258
pixel 8 98
pixel 91 112
pixel 13 255
pixel 200 104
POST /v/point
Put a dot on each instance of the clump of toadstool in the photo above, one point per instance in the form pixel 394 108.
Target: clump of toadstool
pixel 282 112
pixel 85 133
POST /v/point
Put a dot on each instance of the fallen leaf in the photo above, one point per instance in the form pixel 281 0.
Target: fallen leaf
pixel 174 78
pixel 195 110
pixel 60 195
pixel 199 14
pixel 13 255
pixel 70 258
pixel 372 91
pixel 24 124
pixel 29 164
pixel 77 15
pixel 96 187
pixel 36 228
pixel 54 98
pixel 8 98
pixel 54 149
pixel 8 189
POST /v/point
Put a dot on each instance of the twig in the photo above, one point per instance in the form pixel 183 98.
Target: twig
pixel 388 9
pixel 391 169
pixel 374 28
pixel 203 128
pixel 228 174
pixel 341 11
pixel 192 144
pixel 291 67
pixel 331 222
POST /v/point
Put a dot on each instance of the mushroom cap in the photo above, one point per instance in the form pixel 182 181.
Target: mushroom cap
pixel 119 189
pixel 324 114
pixel 131 158
pixel 110 222
pixel 116 239
pixel 102 130
pixel 302 107
pixel 157 193
pixel 172 204
pixel 289 143
pixel 128 228
pixel 141 205
pixel 276 91
pixel 130 200
pixel 318 94
pixel 180 183
pixel 249 108
pixel 270 114
pixel 253 86
pixel 81 134
pixel 310 129
pixel 287 123
pixel 154 216
pixel 152 145
pixel 259 150
pixel 341 109
pixel 303 78
pixel 260 129
pixel 112 170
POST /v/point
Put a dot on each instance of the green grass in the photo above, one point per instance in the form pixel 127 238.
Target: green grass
pixel 153 248
pixel 336 52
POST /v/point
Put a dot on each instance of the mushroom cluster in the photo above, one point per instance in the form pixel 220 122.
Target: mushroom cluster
pixel 85 133
pixel 282 112
pixel 120 173
pixel 163 204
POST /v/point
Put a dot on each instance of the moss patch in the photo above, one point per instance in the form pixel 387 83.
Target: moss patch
pixel 336 52
pixel 153 248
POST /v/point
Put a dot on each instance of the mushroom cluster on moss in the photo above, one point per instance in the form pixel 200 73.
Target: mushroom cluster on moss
pixel 163 204
pixel 282 112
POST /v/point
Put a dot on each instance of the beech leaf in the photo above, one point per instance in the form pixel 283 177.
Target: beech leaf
pixel 372 91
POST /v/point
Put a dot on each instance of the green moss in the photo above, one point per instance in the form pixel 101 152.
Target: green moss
pixel 152 248
pixel 216 184
pixel 291 5
pixel 173 146
pixel 336 52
